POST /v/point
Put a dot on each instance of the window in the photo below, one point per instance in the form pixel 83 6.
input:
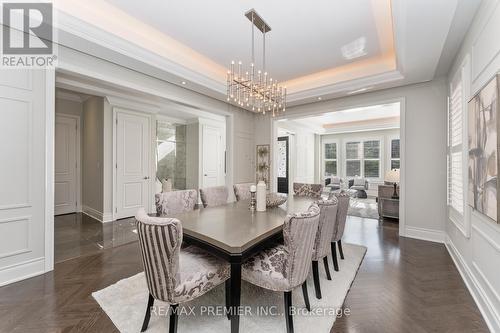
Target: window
pixel 371 158
pixel 395 157
pixel 171 153
pixel 353 159
pixel 363 158
pixel 330 159
pixel 455 147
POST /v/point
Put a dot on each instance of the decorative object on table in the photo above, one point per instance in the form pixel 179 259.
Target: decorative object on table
pixel 392 176
pixel 275 200
pixel 483 160
pixel 262 163
pixel 166 185
pixel 261 196
pixel 253 199
pixel 251 89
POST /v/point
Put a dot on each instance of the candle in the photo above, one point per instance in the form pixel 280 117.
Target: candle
pixel 253 188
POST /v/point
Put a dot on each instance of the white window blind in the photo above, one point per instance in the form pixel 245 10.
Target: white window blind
pixel 455 147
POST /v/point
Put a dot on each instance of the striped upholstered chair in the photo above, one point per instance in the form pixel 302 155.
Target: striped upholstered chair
pixel 326 226
pixel 174 275
pixel 175 202
pixel 343 206
pixel 286 266
pixel 214 196
pixel 307 190
pixel 242 191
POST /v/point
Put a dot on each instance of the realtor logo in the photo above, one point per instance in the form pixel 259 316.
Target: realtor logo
pixel 27 35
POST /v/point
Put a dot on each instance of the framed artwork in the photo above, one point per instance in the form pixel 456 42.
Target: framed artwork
pixel 263 163
pixel 483 125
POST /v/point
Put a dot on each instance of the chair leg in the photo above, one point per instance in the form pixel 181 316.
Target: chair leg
pixel 306 296
pixel 288 310
pixel 174 318
pixel 145 323
pixel 317 286
pixel 334 256
pixel 339 243
pixel 228 298
pixel 325 262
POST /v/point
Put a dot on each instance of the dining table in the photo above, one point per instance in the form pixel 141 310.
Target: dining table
pixel 234 232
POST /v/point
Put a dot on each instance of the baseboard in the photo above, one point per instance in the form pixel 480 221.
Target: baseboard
pixel 425 234
pixel 95 214
pixel 476 290
pixel 22 271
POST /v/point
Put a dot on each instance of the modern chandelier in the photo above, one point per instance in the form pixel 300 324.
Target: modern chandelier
pixel 253 89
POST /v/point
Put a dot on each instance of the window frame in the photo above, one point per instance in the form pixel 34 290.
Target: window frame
pixel 362 158
pixel 389 149
pixel 460 220
pixel 324 159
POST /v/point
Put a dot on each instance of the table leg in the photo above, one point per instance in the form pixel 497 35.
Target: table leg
pixel 235 293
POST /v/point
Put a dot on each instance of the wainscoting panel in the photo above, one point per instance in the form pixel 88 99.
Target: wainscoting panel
pixel 22 174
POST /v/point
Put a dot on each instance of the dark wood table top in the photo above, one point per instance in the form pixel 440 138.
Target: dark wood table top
pixel 234 228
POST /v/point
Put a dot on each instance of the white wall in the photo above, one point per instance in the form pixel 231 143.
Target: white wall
pixel 424 120
pixel 476 251
pixel 92 157
pixel 302 148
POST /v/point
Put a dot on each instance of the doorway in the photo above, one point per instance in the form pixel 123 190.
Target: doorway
pixel 283 165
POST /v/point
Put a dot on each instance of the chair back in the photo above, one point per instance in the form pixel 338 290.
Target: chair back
pixel 299 233
pixel 175 202
pixel 326 227
pixel 242 191
pixel 307 190
pixel 343 206
pixel 160 241
pixel 214 196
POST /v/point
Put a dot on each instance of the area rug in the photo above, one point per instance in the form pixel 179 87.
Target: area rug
pixel 125 303
pixel 366 208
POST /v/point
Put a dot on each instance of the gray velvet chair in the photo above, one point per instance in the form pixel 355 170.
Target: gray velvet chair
pixel 326 226
pixel 286 266
pixel 242 191
pixel 343 206
pixel 174 275
pixel 175 202
pixel 214 196
pixel 307 190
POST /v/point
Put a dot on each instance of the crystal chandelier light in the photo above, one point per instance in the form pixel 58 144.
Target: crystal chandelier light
pixel 255 89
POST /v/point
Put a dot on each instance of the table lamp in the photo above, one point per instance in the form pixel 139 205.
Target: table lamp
pixel 392 176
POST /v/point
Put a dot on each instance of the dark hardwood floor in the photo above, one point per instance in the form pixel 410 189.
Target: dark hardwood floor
pixel 403 285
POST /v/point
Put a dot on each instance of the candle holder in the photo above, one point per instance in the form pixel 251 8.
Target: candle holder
pixel 253 201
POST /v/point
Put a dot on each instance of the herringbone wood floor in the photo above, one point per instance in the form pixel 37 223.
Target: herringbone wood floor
pixel 403 285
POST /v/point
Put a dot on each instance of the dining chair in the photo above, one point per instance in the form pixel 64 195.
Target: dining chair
pixel 343 206
pixel 175 202
pixel 173 275
pixel 214 196
pixel 242 191
pixel 284 267
pixel 326 226
pixel 307 190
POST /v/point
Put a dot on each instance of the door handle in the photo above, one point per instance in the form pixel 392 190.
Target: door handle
pixel 146 178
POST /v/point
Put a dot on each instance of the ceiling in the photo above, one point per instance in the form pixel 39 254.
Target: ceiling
pixel 367 118
pixel 394 42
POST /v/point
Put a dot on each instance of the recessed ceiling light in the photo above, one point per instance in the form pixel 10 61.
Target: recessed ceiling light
pixel 319 98
pixel 183 82
pixel 354 49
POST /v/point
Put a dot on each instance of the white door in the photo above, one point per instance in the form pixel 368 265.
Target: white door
pixel 213 156
pixel 65 165
pixel 132 163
